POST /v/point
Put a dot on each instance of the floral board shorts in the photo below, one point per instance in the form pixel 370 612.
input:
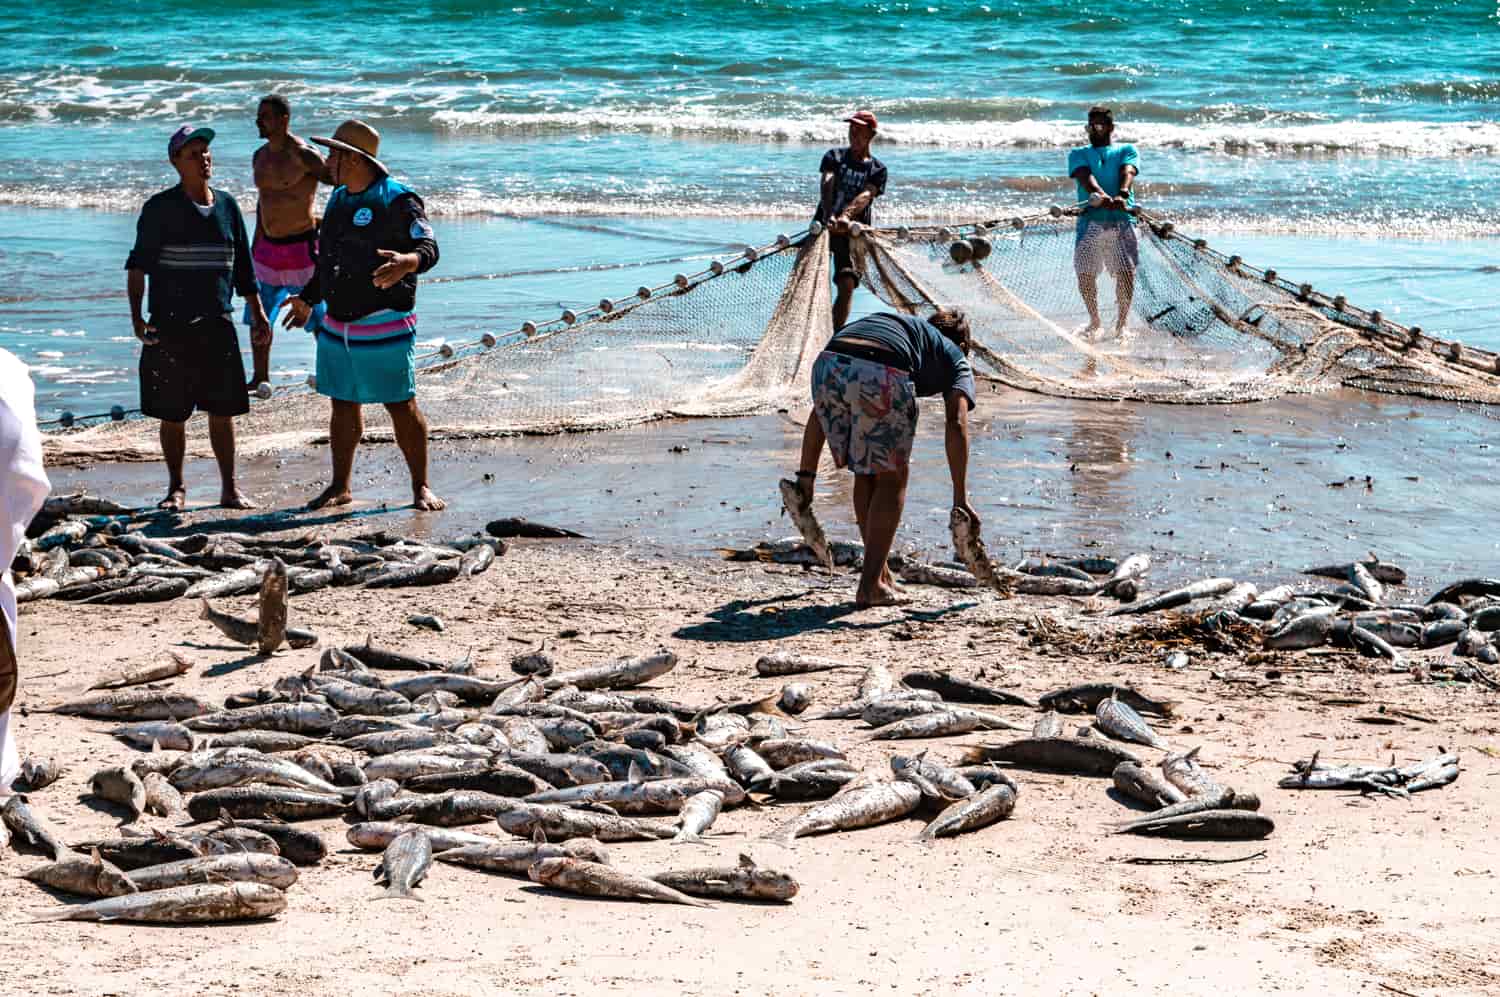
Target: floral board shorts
pixel 868 412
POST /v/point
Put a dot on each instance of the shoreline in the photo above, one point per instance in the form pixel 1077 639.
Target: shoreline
pixel 1337 904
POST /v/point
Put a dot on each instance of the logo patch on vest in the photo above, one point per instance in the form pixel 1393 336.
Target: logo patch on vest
pixel 420 229
pixel 363 216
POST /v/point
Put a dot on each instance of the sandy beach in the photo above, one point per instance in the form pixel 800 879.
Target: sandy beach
pixel 1348 895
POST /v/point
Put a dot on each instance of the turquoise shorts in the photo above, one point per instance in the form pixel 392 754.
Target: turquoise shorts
pixel 379 373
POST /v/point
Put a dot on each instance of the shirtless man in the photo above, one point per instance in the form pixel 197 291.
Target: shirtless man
pixel 285 249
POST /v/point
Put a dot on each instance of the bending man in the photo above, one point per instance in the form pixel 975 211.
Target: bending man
pixel 865 386
pixel 191 240
pixel 1105 236
pixel 374 240
pixel 851 180
pixel 285 247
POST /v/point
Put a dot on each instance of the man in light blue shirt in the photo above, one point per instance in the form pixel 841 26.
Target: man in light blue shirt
pixel 1105 239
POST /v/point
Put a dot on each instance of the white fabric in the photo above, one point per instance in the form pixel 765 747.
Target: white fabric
pixel 23 488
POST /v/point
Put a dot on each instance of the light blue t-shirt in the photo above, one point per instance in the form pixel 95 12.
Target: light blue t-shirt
pixel 1105 164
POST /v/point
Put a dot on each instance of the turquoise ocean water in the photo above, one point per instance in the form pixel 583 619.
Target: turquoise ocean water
pixel 1347 141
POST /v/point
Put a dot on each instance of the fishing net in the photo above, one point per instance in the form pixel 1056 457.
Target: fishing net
pixel 740 337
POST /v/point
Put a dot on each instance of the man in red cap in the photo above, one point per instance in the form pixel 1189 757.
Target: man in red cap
pixel 852 179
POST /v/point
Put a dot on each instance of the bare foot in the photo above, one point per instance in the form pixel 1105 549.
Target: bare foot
pixel 883 596
pixel 333 495
pixel 175 501
pixel 235 499
pixel 426 501
pixel 255 382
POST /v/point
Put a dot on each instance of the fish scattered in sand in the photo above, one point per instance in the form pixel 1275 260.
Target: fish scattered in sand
pixel 142 674
pixel 203 903
pixel 744 881
pixel 592 879
pixel 404 864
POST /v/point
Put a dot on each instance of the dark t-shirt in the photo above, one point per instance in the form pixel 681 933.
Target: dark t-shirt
pixel 195 261
pixel 385 215
pixel 850 179
pixel 936 363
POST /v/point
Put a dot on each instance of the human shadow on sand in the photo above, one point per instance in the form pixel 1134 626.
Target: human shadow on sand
pixel 166 525
pixel 741 621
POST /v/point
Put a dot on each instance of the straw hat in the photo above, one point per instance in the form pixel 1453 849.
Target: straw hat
pixel 358 138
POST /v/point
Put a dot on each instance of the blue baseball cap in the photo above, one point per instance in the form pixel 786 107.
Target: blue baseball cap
pixel 184 135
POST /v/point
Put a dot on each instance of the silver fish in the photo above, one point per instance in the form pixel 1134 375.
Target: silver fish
pixel 994 803
pixel 622 674
pixel 971 549
pixel 1049 724
pixel 1308 630
pixel 202 903
pixel 516 858
pixel 1184 772
pixel 853 809
pixel 918 573
pixel 120 785
pixel 936 781
pixel 1363 580
pixel 271 621
pixel 633 797
pixel 697 815
pixel 745 881
pixel 233 867
pixel 748 766
pixel 37 773
pixel 82 875
pixel 377 835
pixel 559 823
pixel 404 864
pixel 595 880
pixel 140 675
pixel 942 724
pixel 239 582
pixel 782 753
pixel 779 663
pixel 1131 570
pixel 195 777
pixel 256 802
pixel 798 505
pixel 1145 786
pixel 293 718
pixel 1178 596
pixel 795 698
pixel 164 733
pixel 134 704
pixel 1123 723
pixel 162 798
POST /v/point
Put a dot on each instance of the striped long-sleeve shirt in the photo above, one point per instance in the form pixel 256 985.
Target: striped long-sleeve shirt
pixel 195 261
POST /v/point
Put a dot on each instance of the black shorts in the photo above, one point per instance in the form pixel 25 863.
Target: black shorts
pixel 196 366
pixel 838 245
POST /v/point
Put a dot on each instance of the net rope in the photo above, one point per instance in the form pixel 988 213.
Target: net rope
pixel 740 336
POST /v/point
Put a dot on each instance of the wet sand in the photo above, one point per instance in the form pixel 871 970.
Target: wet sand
pixel 1255 491
pixel 1352 895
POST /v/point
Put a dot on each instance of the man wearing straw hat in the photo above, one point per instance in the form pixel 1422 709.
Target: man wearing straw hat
pixel 373 241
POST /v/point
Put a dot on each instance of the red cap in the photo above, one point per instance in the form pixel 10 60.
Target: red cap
pixel 866 118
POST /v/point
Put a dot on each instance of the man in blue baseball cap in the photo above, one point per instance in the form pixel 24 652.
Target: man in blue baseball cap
pixel 191 241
